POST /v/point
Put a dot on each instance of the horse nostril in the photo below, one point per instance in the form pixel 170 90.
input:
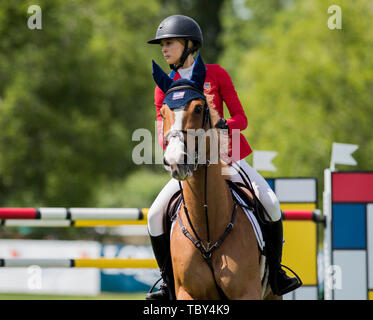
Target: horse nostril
pixel 174 170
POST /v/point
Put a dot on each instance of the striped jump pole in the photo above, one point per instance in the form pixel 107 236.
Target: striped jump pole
pixel 70 223
pixel 101 263
pixel 313 215
pixel 72 213
pixel 72 217
pixel 104 217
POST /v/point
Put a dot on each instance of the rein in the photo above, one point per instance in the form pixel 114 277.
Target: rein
pixel 198 243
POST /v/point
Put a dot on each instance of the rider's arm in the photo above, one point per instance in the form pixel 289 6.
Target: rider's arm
pixel 158 101
pixel 227 91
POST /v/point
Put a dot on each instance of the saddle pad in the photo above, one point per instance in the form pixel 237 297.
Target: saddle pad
pixel 252 219
pixel 174 220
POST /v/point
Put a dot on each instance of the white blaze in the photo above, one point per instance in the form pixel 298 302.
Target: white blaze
pixel 175 150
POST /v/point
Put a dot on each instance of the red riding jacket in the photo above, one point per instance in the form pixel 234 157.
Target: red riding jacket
pixel 218 87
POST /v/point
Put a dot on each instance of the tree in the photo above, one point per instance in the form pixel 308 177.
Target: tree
pixel 243 22
pixel 70 96
pixel 304 86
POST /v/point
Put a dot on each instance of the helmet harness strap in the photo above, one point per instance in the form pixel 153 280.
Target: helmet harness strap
pixel 184 55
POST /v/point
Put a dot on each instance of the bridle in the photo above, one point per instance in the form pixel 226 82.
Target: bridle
pixel 196 240
pixel 206 121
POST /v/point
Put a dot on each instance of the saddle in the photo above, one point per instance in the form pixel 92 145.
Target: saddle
pixel 169 215
pixel 251 203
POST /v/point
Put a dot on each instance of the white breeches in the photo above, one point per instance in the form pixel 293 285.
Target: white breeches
pixel 261 188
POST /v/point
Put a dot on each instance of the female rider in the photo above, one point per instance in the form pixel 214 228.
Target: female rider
pixel 180 37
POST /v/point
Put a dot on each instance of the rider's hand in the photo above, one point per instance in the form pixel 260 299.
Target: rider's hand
pixel 222 124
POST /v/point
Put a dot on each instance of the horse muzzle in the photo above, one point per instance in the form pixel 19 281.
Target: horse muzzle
pixel 179 171
pixel 176 160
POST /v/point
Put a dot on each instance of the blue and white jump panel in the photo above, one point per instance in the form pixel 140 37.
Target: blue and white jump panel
pixel 351 235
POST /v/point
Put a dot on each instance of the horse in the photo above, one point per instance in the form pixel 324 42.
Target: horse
pixel 214 249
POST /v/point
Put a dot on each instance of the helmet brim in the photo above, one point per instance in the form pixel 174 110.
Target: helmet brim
pixel 169 36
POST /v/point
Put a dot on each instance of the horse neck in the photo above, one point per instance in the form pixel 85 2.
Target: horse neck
pixel 219 201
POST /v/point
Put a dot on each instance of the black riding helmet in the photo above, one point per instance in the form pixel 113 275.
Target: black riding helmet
pixel 179 26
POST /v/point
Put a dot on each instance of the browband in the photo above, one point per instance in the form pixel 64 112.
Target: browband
pixel 186 87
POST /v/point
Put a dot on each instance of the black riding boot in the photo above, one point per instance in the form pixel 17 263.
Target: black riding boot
pixel 278 279
pixel 161 249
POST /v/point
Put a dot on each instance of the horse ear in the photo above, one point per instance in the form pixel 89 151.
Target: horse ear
pixel 161 78
pixel 199 72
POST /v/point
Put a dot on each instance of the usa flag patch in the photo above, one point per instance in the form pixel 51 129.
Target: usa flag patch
pixel 178 95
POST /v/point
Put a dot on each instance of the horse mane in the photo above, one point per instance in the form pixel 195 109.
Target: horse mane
pixel 224 145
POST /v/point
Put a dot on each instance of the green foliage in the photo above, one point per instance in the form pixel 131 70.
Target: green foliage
pixel 70 96
pixel 72 93
pixel 304 86
pixel 138 191
pixel 243 22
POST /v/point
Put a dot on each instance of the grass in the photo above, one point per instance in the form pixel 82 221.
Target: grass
pixel 102 296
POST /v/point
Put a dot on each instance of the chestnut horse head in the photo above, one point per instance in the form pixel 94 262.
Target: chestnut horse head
pixel 188 122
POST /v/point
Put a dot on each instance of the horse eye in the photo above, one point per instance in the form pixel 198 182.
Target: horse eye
pixel 198 109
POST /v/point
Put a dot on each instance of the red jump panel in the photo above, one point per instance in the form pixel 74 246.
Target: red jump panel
pixel 352 187
pixel 18 213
